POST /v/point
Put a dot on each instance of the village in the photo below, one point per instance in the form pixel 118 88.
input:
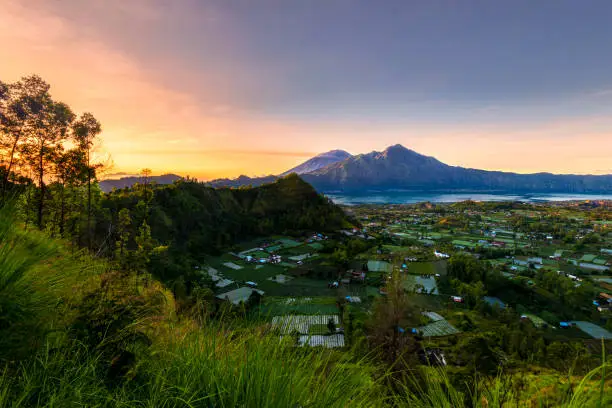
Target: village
pixel 308 288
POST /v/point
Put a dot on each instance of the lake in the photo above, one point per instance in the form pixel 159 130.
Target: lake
pixel 409 197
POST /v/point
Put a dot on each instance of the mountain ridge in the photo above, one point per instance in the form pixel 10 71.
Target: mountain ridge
pixel 400 168
pixel 108 185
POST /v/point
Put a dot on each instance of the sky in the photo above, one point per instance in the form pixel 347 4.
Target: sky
pixel 219 88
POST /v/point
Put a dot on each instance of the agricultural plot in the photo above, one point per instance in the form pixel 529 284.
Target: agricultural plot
pixel 433 316
pixel 289 243
pixel 380 266
pixel 427 268
pixel 421 284
pixel 593 330
pixel 299 306
pixel 493 301
pixel 232 265
pixel 463 243
pixel 438 329
pixel 316 246
pixel 301 323
pixel 300 257
pixel 537 321
pixel 333 341
pixel 280 278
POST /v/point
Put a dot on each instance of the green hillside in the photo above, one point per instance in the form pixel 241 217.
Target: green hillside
pixel 76 331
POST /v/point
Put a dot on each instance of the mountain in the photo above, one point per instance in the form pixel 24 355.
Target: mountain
pixel 319 161
pixel 242 181
pixel 108 185
pixel 310 165
pixel 399 168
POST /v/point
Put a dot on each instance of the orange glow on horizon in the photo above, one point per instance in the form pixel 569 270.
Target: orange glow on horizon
pixel 147 124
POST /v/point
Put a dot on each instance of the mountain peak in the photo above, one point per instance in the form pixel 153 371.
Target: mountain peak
pixel 335 153
pixel 396 147
pixel 319 161
pixel 399 149
pixel 400 152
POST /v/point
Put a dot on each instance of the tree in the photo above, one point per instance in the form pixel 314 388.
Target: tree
pixel 70 170
pixel 145 176
pixel 331 326
pixel 124 225
pixel 391 312
pixel 85 131
pixel 21 107
pixel 44 143
pixel 145 245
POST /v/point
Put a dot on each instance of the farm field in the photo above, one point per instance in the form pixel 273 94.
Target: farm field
pixel 302 323
pixel 276 306
pixel 428 283
pixel 427 268
pixel 437 329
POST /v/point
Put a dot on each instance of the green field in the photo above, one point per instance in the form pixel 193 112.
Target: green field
pixel 427 268
pixel 439 328
pixel 380 266
pixel 279 306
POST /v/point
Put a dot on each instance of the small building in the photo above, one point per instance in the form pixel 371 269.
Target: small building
pixel 441 255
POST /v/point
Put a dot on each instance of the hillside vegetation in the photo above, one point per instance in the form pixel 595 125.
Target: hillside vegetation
pixel 77 332
pixel 188 220
pixel 124 299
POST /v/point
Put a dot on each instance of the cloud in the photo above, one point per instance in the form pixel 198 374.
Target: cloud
pixel 167 115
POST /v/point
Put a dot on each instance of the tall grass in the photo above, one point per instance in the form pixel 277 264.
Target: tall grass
pixel 197 366
pixel 37 280
pixel 434 389
pixel 203 369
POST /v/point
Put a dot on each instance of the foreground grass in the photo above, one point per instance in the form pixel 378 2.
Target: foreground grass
pixel 203 369
pixel 186 365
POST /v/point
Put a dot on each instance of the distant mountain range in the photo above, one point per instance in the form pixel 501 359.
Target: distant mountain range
pixel 399 168
pixel 318 162
pixel 108 185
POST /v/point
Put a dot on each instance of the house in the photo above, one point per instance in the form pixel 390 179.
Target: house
pixel 441 255
pixel 457 299
pixel 239 295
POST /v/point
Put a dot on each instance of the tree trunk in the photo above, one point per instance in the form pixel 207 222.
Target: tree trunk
pixel 62 212
pixel 5 179
pixel 89 232
pixel 41 182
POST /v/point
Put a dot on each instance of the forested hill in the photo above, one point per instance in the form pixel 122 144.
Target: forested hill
pixel 109 185
pixel 194 220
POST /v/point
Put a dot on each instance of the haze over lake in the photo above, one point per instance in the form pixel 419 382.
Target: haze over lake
pixel 409 197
